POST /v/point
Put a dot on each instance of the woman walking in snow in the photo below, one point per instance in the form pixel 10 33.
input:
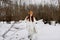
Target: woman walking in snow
pixel 30 25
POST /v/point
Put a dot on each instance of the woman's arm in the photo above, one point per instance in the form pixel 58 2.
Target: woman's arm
pixel 34 19
pixel 26 17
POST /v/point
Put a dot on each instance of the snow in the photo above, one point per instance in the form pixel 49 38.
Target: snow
pixel 20 32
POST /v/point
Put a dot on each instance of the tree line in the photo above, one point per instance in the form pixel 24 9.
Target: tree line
pixel 15 12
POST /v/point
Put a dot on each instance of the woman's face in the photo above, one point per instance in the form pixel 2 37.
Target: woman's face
pixel 31 13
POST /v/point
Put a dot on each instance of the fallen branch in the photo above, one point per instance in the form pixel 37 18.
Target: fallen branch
pixel 7 31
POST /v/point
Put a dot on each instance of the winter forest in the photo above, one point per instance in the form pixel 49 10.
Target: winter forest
pixel 29 19
pixel 13 10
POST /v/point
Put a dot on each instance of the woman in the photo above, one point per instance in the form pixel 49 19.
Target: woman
pixel 30 17
pixel 30 25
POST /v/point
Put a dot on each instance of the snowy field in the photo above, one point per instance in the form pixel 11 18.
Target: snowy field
pixel 18 31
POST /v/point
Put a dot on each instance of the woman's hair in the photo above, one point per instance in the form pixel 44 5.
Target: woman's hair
pixel 31 18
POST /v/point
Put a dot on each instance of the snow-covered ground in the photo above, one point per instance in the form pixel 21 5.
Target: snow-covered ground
pixel 18 31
